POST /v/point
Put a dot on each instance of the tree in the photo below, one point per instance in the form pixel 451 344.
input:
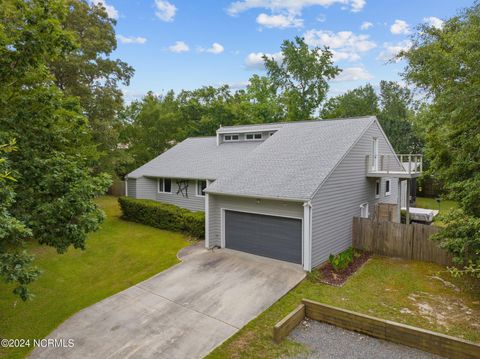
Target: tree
pixel 443 63
pixel 153 128
pixel 396 117
pixel 362 101
pixel 89 74
pixel 54 187
pixel 15 265
pixel 302 77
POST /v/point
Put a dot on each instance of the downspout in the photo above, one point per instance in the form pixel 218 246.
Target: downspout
pixel 307 236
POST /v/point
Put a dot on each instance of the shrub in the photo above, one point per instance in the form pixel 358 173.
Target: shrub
pixel 163 216
pixel 342 260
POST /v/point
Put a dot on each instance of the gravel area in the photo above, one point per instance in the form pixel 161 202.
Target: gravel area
pixel 327 341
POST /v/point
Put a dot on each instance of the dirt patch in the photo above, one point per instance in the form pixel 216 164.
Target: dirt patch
pixel 329 276
pixel 441 310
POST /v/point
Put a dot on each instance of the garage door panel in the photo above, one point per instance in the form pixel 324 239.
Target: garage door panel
pixel 269 236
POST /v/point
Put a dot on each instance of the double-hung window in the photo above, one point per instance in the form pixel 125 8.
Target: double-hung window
pixel 387 187
pixel 165 185
pixel 228 138
pixel 201 185
pixel 377 188
pixel 253 136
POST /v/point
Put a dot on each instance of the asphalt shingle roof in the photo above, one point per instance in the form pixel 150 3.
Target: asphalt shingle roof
pixel 196 158
pixel 291 164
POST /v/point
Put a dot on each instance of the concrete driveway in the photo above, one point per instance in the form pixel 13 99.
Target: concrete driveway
pixel 183 312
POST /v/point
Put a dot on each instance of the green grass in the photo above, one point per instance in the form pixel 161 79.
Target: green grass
pixel 445 207
pixel 118 255
pixel 403 291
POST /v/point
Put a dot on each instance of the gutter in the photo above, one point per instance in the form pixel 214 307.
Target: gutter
pixel 259 196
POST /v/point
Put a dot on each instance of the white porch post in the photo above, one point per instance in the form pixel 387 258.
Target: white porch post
pixel 399 201
pixel 307 236
pixel 126 186
pixel 207 218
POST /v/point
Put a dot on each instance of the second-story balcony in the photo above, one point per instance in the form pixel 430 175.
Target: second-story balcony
pixel 396 166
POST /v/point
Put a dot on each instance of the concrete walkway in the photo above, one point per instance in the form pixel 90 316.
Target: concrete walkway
pixel 183 312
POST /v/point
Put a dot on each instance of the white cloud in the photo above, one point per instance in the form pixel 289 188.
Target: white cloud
pixel 240 85
pixel 254 60
pixel 434 22
pixel 179 47
pixel 131 39
pixel 366 25
pixel 353 74
pixel 290 6
pixel 165 10
pixel 400 27
pixel 110 9
pixel 391 50
pixel 216 48
pixel 345 45
pixel 279 21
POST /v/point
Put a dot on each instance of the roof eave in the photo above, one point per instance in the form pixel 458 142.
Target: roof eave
pixel 290 199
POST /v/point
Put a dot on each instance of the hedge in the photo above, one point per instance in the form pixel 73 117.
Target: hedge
pixel 163 216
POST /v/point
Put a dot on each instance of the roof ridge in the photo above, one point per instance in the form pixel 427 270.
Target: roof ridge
pixel 301 121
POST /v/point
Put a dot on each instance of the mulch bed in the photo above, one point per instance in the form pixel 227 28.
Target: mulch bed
pixel 329 276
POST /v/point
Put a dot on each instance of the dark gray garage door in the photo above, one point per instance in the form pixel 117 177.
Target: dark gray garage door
pixel 268 236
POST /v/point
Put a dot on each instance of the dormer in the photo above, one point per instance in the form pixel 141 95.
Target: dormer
pixel 245 133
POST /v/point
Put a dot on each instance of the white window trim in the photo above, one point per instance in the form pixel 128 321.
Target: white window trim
pixel 197 193
pixel 367 210
pixel 231 140
pixel 389 187
pixel 253 134
pixel 163 182
pixel 378 184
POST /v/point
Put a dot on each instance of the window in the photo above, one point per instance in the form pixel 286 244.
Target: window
pixel 387 187
pixel 165 185
pixel 227 138
pixel 364 210
pixel 253 136
pixel 377 189
pixel 201 185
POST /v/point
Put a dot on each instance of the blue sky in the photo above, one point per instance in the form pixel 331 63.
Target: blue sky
pixel 177 44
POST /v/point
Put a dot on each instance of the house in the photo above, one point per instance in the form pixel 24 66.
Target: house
pixel 283 190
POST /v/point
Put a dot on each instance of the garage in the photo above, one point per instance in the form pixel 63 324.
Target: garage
pixel 264 235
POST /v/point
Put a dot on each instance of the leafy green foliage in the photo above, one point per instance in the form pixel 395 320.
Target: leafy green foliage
pixel 54 185
pixel 15 264
pixel 444 64
pixel 362 101
pixel 163 216
pixel 393 107
pixel 89 74
pixel 342 260
pixel 302 77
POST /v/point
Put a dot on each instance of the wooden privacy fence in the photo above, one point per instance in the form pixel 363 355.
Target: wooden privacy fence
pixel 410 241
pixel 422 339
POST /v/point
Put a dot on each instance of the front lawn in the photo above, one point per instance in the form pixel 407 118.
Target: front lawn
pixel 415 293
pixel 118 255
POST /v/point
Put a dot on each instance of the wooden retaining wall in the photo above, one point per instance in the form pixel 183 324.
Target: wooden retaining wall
pixel 287 324
pixel 422 339
pixel 410 241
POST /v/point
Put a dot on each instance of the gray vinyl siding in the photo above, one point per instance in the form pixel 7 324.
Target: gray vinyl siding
pixel 338 200
pixel 131 187
pixel 147 188
pixel 271 207
pixel 192 202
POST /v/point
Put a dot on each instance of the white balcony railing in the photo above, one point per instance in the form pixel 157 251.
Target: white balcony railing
pixel 401 165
